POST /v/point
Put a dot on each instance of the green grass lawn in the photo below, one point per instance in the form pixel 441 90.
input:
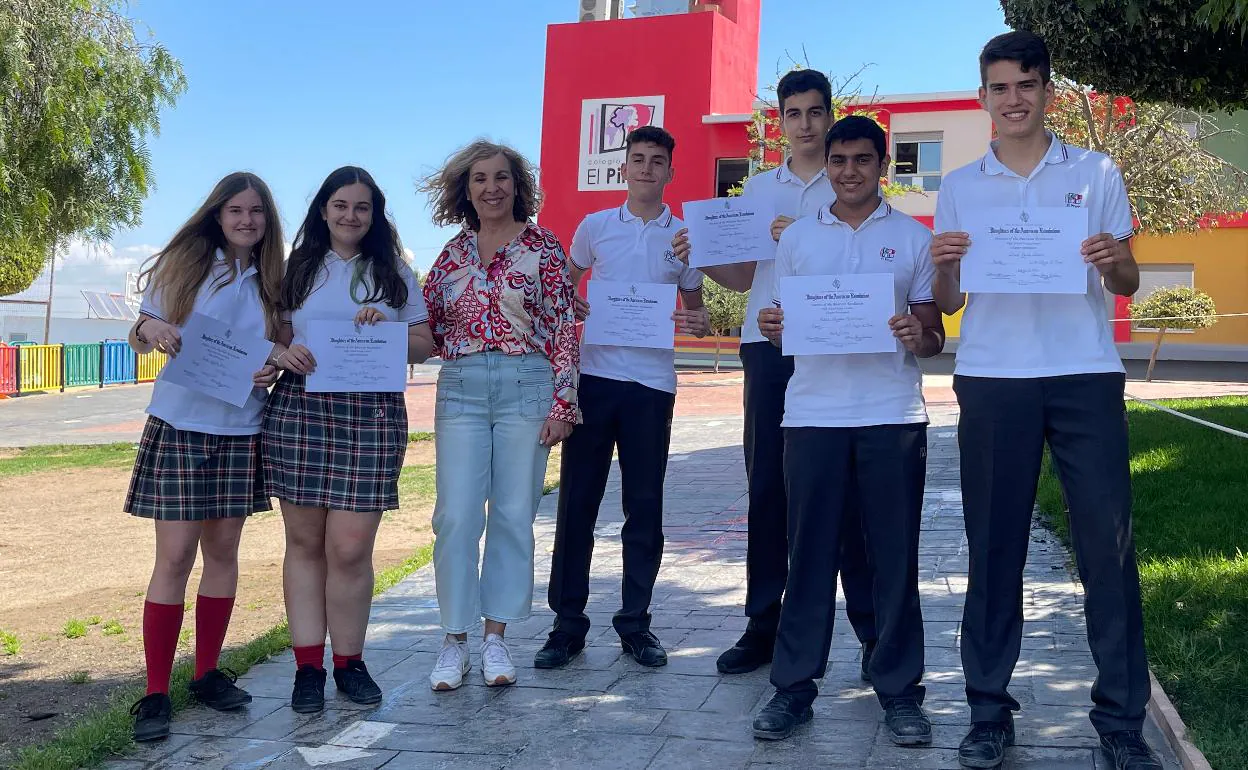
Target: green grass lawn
pixel 50 458
pixel 1191 533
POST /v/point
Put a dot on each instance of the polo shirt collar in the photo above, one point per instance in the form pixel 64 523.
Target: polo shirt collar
pixel 664 219
pixel 992 166
pixel 785 175
pixel 335 255
pixel 828 218
pixel 220 259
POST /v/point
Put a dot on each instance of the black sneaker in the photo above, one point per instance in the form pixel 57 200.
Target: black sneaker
pixel 907 724
pixel 560 648
pixel 751 651
pixel 355 683
pixel 151 717
pixel 1129 751
pixel 645 648
pixel 308 696
pixel 217 690
pixel 984 745
pixel 868 649
pixel 781 715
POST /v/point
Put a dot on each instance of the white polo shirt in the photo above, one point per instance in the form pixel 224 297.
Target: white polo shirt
pixel 236 303
pixel 791 197
pixel 619 246
pixel 331 298
pixel 858 389
pixel 1039 335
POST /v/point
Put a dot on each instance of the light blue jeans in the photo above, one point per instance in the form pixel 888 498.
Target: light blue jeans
pixel 488 416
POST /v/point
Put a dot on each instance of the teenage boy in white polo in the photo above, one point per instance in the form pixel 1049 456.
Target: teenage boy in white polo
pixel 626 397
pixel 855 440
pixel 796 188
pixel 1037 367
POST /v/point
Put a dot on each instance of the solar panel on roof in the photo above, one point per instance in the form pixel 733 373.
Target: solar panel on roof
pixel 95 301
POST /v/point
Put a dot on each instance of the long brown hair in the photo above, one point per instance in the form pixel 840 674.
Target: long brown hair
pixel 448 188
pixel 178 270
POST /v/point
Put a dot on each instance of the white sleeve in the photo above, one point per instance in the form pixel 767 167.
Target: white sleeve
pixel 153 303
pixel 414 312
pixel 690 279
pixel 582 253
pixel 1116 216
pixel 924 272
pixel 946 219
pixel 783 265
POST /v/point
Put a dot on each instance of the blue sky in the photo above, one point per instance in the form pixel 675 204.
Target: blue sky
pixel 291 89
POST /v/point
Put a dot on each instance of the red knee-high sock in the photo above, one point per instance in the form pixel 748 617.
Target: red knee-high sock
pixel 311 655
pixel 341 661
pixel 212 618
pixel 161 625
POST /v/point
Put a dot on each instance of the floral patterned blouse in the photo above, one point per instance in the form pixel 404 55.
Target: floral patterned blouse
pixel 523 303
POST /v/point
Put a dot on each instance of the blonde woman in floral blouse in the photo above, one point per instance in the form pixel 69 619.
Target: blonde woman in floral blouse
pixel 500 300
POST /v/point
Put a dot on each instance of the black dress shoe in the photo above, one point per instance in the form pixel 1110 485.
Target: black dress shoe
pixel 782 713
pixel 984 745
pixel 645 648
pixel 907 724
pixel 355 683
pixel 151 717
pixel 216 690
pixel 751 651
pixel 308 697
pixel 868 649
pixel 559 649
pixel 1129 751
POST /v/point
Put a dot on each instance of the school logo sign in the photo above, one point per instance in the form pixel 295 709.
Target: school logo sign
pixel 605 124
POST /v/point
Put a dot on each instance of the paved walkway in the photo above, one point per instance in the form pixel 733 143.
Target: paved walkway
pixel 605 711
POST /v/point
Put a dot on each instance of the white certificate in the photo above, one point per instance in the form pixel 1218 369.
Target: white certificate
pixel 631 315
pixel 357 359
pixel 1026 251
pixel 838 314
pixel 217 361
pixel 723 231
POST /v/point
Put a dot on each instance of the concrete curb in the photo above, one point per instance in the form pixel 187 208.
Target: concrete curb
pixel 1172 727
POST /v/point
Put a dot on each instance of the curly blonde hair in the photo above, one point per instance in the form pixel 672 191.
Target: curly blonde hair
pixel 448 189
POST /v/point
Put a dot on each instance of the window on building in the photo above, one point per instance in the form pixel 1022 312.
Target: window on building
pixel 1154 277
pixel 729 173
pixel 917 160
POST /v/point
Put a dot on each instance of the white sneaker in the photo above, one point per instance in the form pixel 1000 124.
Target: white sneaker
pixel 448 672
pixel 496 662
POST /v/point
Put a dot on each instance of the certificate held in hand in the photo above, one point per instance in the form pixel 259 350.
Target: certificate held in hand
pixel 1026 251
pixel 216 361
pixel 632 315
pixel 357 359
pixel 724 231
pixel 837 314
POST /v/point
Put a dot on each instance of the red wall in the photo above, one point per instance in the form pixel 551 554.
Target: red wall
pixel 701 62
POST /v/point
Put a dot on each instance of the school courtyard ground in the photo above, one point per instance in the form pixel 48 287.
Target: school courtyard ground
pixel 604 711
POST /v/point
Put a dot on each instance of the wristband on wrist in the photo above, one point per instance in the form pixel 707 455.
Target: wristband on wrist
pixel 138 333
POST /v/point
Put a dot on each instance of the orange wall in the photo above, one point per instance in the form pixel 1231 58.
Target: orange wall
pixel 1220 268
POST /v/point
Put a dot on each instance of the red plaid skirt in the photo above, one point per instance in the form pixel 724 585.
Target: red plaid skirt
pixel 341 451
pixel 181 475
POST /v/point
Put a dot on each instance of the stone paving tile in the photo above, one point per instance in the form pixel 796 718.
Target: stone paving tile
pixel 605 711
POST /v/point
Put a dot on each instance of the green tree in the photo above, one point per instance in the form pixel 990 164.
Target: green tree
pixel 726 309
pixel 1173 182
pixel 1185 52
pixel 80 93
pixel 1174 307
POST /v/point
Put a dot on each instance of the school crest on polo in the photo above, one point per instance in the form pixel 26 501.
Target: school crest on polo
pixel 1074 200
pixel 670 256
pixel 887 254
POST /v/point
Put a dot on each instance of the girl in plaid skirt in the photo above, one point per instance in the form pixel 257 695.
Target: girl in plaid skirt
pixel 333 459
pixel 197 474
